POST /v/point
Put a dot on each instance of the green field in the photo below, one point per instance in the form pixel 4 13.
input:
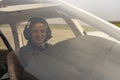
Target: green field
pixel 59 26
pixel 54 26
pixel 117 24
pixel 60 29
pixel 62 26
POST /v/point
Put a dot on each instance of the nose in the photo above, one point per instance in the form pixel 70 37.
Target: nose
pixel 40 34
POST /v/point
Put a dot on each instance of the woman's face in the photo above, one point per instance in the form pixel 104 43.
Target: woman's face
pixel 38 33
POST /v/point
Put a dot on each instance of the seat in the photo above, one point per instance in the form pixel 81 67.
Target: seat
pixel 3 65
pixel 15 70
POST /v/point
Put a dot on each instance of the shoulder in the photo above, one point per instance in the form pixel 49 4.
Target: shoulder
pixel 25 55
pixel 25 51
pixel 47 45
pixel 25 48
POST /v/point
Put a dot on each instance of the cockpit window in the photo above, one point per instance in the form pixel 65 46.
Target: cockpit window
pixel 59 28
pixel 6 30
pixel 91 30
pixel 2 45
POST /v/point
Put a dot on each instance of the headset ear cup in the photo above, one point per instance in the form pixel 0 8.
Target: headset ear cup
pixel 26 33
pixel 49 34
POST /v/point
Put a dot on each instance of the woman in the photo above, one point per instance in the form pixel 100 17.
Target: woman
pixel 37 32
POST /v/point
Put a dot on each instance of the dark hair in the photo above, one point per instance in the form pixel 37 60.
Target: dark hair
pixel 31 23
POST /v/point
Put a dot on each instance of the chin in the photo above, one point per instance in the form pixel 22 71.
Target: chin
pixel 39 42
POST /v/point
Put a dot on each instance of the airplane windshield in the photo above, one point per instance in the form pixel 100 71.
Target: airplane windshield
pixel 55 40
pixel 59 28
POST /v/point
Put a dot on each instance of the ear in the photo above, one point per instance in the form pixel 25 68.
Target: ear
pixel 26 31
pixel 48 33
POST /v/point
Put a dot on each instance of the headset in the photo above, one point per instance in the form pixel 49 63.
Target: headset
pixel 31 22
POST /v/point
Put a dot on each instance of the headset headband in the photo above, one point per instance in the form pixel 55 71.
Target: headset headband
pixel 28 24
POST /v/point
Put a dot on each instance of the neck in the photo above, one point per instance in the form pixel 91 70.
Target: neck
pixel 41 45
pixel 32 44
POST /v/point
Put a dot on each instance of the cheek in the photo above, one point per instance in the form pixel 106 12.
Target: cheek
pixel 38 35
pixel 45 35
pixel 33 35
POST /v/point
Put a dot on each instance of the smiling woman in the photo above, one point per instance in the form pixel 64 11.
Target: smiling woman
pixel 37 32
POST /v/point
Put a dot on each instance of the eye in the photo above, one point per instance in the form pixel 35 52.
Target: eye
pixel 42 31
pixel 39 31
pixel 34 31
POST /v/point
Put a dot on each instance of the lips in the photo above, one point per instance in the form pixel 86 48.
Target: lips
pixel 40 39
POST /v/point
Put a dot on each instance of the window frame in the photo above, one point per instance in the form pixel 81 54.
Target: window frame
pixel 5 41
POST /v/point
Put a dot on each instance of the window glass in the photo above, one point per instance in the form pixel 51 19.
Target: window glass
pixel 6 30
pixel 60 31
pixel 2 45
pixel 91 30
